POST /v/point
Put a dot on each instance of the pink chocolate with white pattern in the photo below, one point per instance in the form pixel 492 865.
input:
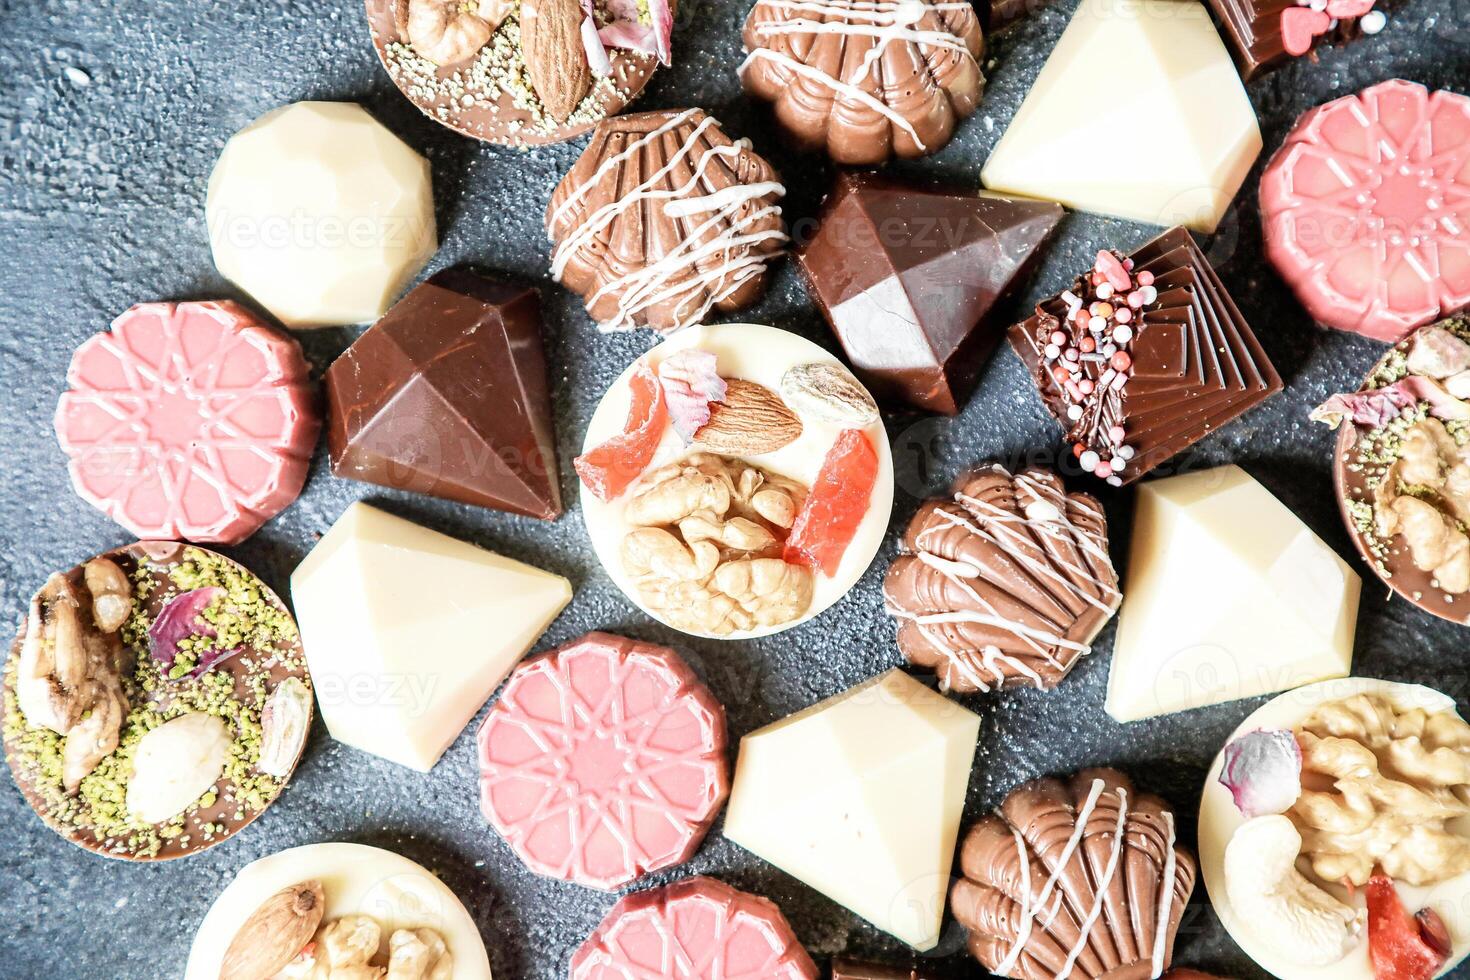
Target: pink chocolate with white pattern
pixel 697 929
pixel 1367 209
pixel 189 421
pixel 603 760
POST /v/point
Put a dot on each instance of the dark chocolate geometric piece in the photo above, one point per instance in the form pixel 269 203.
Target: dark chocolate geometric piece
pixel 1139 371
pixel 446 395
pixel 908 276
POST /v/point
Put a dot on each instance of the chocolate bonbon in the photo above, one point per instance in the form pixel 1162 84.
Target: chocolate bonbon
pixel 135 701
pixel 1143 357
pixel 1365 209
pixel 860 797
pixel 1306 886
pixel 1267 33
pixel 1082 877
pixel 320 213
pixel 1004 584
pixel 909 276
pixel 719 507
pixel 663 220
pixel 469 68
pixel 603 761
pixel 696 929
pixel 1400 472
pixel 189 420
pixel 865 81
pixel 1230 595
pixel 397 903
pixel 1161 65
pixel 447 395
pixel 408 631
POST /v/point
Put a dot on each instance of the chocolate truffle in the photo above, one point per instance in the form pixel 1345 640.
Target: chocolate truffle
pixel 908 278
pixel 665 219
pixel 1059 853
pixel 1005 584
pixel 865 81
pixel 447 396
pixel 1143 357
pixel 1404 430
pixel 1265 34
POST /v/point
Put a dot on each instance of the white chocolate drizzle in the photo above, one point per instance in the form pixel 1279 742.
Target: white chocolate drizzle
pixel 659 282
pixel 1045 516
pixel 887 21
pixel 1166 899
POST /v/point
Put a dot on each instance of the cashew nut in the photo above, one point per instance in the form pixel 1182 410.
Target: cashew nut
pixel 1298 919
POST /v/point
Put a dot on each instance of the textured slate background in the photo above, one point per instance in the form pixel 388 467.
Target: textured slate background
pixel 111 116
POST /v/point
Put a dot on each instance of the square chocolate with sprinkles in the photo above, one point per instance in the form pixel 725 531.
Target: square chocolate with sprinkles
pixel 1144 356
pixel 1266 33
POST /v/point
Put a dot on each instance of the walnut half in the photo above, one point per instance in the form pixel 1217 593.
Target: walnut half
pixel 706 542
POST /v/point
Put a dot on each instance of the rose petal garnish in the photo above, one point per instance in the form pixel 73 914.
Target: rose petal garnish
pixel 663 29
pixel 627 30
pixel 691 382
pixel 630 36
pixel 1263 771
pixel 178 619
pixel 1380 406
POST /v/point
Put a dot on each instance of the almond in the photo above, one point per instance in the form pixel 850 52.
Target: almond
pixel 275 933
pixel 750 421
pixel 551 42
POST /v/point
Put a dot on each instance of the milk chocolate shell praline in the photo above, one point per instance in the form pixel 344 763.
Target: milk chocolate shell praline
pixel 765 515
pixel 155 702
pixel 1408 429
pixel 1290 889
pixel 866 81
pixel 375 888
pixel 479 83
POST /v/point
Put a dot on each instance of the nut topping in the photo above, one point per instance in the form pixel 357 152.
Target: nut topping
pixel 705 549
pixel 446 33
pixel 829 393
pixel 274 933
pixel 551 39
pixel 752 420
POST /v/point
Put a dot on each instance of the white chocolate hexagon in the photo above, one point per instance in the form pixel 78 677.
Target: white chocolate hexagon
pixel 320 213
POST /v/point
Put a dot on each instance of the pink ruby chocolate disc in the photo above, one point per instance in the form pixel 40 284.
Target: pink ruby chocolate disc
pixel 602 761
pixel 1367 209
pixel 189 421
pixel 699 929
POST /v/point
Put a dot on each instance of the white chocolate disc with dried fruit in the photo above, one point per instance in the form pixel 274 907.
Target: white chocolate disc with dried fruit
pixel 1219 819
pixel 751 352
pixel 357 880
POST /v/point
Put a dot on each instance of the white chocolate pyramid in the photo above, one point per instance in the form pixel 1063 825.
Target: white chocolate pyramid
pixel 860 797
pixel 408 631
pixel 1139 113
pixel 1229 595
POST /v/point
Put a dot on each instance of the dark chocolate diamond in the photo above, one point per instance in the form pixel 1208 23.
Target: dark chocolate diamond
pixel 1140 363
pixel 446 395
pixel 1255 31
pixel 907 278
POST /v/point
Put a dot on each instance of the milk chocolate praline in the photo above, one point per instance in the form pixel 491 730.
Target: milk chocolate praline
pixel 1130 844
pixel 1003 584
pixel 910 108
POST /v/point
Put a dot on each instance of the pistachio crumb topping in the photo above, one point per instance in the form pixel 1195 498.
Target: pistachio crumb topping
pixel 241 617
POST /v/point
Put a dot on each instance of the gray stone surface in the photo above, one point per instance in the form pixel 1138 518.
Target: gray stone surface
pixel 111 116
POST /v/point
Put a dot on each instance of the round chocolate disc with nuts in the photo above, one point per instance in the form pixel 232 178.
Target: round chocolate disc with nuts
pixel 490 90
pixel 155 702
pixel 1402 467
